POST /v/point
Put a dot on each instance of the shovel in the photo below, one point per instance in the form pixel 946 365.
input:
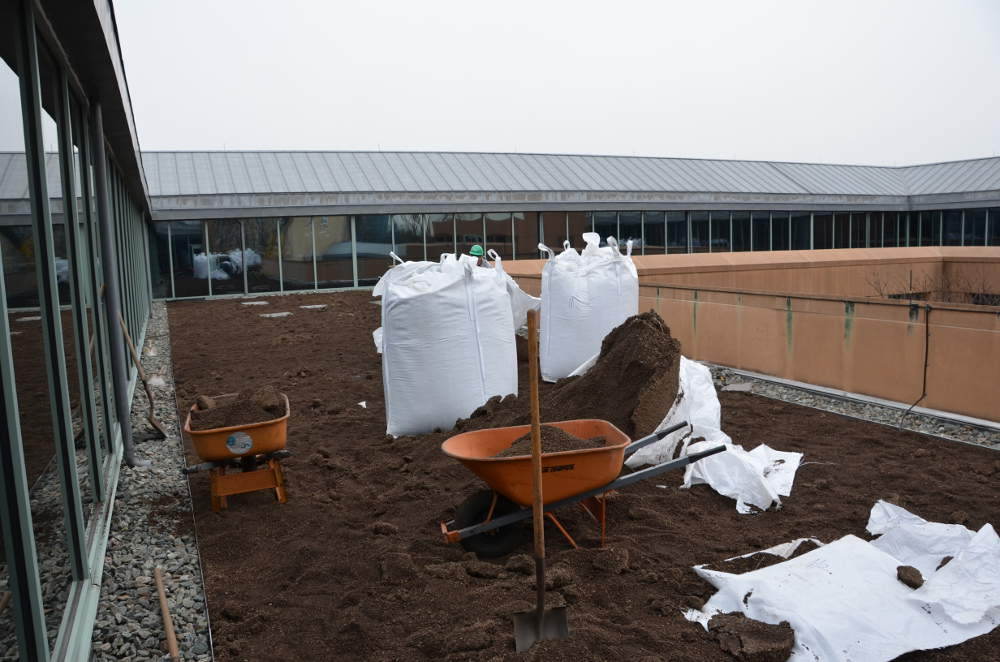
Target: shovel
pixel 541 624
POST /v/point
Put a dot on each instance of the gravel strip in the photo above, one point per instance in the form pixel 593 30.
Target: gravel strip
pixel 875 413
pixel 152 525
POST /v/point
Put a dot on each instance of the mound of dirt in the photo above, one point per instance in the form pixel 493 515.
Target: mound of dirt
pixel 632 384
pixel 752 641
pixel 248 406
pixel 554 440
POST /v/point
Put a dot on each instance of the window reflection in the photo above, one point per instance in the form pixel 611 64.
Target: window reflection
pixel 297 253
pixel 261 239
pixel 859 230
pixel 699 232
pixel 374 242
pixel 227 260
pixel 440 235
pixel 408 236
pixel 526 236
pixel 720 241
pixel 655 233
pixel 741 230
pixel 468 231
pixel 677 232
pixel 630 227
pixel 578 222
pixel 187 247
pixel 800 229
pixel 334 259
pixel 606 225
pixel 781 231
pixel 952 227
pixel 760 230
pixel 822 231
pixel 500 234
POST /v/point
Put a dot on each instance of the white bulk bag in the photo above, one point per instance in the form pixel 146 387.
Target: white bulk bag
pixel 584 296
pixel 447 342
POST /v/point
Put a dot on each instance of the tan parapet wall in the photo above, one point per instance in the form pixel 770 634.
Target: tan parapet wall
pixel 771 316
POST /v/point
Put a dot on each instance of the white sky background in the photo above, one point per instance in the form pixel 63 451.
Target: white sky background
pixel 877 82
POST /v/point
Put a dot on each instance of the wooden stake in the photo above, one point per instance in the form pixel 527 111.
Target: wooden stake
pixel 168 622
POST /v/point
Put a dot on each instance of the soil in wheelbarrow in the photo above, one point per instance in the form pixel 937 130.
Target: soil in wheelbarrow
pixel 554 440
pixel 353 566
pixel 251 405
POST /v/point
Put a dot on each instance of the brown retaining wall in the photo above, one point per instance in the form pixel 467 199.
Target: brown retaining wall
pixel 769 313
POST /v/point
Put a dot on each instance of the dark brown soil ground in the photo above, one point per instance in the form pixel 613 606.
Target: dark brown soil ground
pixel 252 405
pixel 353 566
pixel 554 440
pixel 758 561
pixel 753 641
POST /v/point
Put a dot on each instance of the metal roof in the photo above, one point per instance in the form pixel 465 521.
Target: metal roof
pixel 223 173
pixel 231 180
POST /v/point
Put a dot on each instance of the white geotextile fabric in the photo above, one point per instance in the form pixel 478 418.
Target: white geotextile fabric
pixel 912 539
pixel 845 603
pixel 755 479
pixel 447 341
pixel 584 296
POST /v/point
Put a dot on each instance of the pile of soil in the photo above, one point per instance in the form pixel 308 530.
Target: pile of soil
pixel 359 539
pixel 632 384
pixel 554 440
pixel 246 407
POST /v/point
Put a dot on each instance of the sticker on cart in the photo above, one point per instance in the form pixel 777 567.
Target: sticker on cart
pixel 239 443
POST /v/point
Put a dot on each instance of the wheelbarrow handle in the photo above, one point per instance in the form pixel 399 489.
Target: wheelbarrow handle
pixel 653 438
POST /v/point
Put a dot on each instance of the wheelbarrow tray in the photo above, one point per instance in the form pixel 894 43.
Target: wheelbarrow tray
pixel 237 441
pixel 564 473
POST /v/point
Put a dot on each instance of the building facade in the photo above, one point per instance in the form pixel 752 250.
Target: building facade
pixel 74 219
pixel 254 222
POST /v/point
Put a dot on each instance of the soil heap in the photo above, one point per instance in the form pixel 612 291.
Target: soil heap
pixel 248 406
pixel 632 384
pixel 554 440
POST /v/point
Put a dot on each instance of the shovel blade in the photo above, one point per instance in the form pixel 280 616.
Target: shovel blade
pixel 528 630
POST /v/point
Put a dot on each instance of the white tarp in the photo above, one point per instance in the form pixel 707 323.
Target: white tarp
pixel 845 603
pixel 912 539
pixel 756 479
pixel 584 296
pixel 448 342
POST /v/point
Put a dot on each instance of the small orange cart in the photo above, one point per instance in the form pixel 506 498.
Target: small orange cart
pixel 255 450
pixel 483 522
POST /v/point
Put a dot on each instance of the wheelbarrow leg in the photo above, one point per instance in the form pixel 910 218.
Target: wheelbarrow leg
pixel 279 480
pixel 562 530
pixel 218 502
pixel 595 507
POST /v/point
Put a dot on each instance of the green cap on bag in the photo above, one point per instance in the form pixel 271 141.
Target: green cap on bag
pixel 476 251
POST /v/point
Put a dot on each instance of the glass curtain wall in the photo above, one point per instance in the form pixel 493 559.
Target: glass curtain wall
pixel 578 222
pixel 677 232
pixel 801 230
pixel 554 233
pixel 781 231
pixel 993 226
pixel 408 236
pixel 333 252
pixel 527 234
pixel 859 230
pixel 468 232
pixel 606 225
pixel 654 230
pixel 225 256
pixel 500 234
pixel 975 228
pixel 890 229
pixel 721 232
pixel 699 239
pixel 439 235
pixel 741 230
pixel 263 273
pixel 760 231
pixel 841 230
pixel 630 228
pixel 952 227
pixel 61 446
pixel 373 234
pixel 822 231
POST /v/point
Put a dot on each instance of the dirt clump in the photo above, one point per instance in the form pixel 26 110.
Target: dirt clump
pixel 909 576
pixel 554 440
pixel 248 406
pixel 632 384
pixel 753 641
pixel 760 560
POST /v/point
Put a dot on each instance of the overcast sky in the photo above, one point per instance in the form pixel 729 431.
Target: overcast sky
pixel 879 82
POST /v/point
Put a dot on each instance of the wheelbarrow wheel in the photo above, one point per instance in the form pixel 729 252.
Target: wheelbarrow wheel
pixel 491 544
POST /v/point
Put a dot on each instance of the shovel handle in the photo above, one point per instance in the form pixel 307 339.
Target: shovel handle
pixel 536 437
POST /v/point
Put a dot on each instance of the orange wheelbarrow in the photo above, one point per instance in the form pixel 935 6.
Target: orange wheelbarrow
pixel 483 522
pixel 242 458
